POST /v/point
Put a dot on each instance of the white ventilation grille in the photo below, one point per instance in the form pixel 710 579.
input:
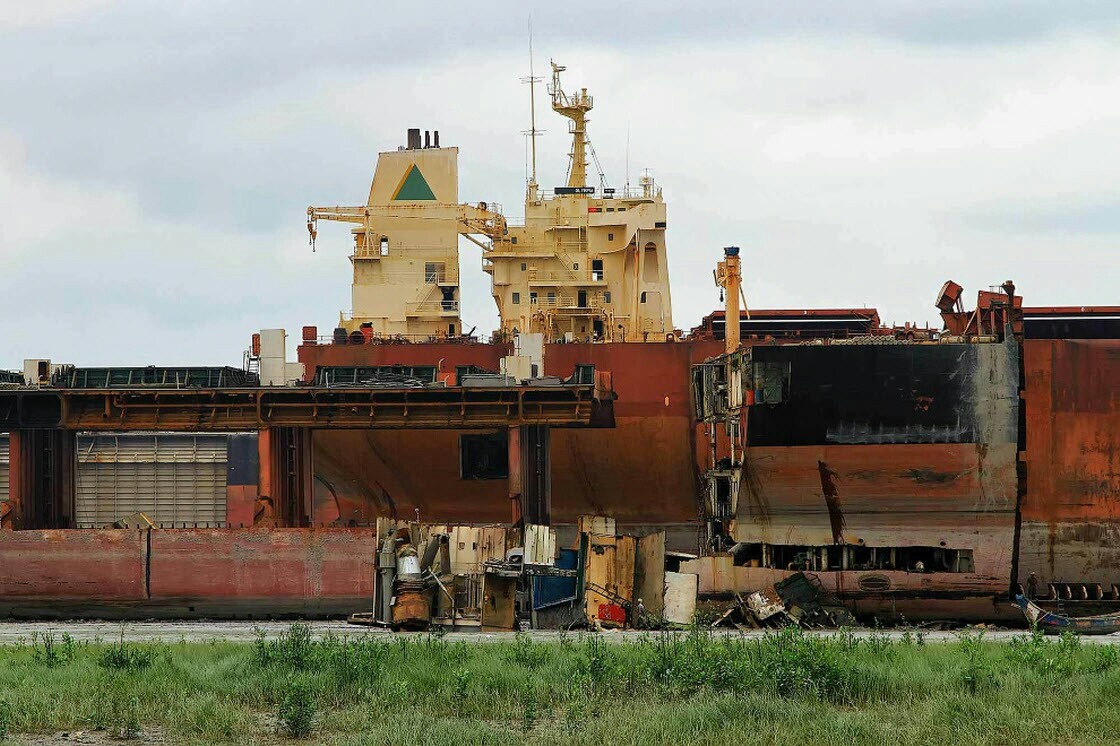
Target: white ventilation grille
pixel 174 479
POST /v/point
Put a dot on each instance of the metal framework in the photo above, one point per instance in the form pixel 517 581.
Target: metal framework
pixel 235 410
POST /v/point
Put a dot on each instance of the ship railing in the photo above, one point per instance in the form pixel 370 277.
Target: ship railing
pixel 442 273
pixel 395 248
pixel 447 274
pixel 592 299
pixel 573 275
pixel 631 192
pixel 436 307
pixel 372 337
pixel 552 301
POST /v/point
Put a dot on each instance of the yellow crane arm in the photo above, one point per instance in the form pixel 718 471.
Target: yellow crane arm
pixel 480 219
pixel 337 213
pixel 341 214
pixel 472 219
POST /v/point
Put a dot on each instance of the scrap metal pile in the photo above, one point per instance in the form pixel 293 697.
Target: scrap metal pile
pixel 498 577
pixel 796 600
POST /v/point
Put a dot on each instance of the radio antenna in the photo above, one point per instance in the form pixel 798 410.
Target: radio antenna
pixel 533 133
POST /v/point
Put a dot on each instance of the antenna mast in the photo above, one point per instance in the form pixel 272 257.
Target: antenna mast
pixel 533 132
pixel 575 107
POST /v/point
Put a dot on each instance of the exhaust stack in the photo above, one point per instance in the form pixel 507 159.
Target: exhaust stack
pixel 729 277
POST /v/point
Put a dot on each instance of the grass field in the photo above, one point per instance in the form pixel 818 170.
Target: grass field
pixel 785 688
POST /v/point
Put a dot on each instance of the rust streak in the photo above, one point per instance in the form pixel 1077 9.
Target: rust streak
pixel 831 501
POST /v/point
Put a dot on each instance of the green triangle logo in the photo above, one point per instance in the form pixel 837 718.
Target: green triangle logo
pixel 414 186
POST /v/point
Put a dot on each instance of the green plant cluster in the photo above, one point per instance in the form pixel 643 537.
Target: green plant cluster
pixel 781 687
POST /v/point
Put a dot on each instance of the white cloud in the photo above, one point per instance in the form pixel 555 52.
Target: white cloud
pixel 162 219
pixel 22 15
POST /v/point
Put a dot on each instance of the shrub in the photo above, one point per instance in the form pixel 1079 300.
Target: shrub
pixel 801 665
pixel 881 645
pixel 528 711
pixel 595 663
pixel 976 675
pixel 461 689
pixel 126 657
pixel 129 719
pixel 1103 658
pixel 524 653
pixel 1054 660
pixel 293 648
pixel 297 709
pixel 5 719
pixel 47 650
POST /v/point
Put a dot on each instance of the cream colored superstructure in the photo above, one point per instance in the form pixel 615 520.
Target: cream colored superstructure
pixel 583 266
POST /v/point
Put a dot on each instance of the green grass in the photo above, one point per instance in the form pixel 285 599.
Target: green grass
pixel 784 688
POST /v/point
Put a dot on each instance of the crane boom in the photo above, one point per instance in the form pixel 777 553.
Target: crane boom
pixel 472 219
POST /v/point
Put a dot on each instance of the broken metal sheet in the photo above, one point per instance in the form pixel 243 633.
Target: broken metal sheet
pixel 540 545
pixel 680 597
pixel 765 604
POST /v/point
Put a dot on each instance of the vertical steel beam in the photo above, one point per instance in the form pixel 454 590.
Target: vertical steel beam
pixel 42 475
pixel 530 474
pixel 286 477
pixel 514 449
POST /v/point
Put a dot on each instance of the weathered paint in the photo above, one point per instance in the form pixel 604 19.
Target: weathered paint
pixel 680 597
pixel 646 474
pixel 1071 511
pixel 954 495
pixel 63 565
pixel 649 452
pixel 310 565
pixel 185 572
pixel 719 576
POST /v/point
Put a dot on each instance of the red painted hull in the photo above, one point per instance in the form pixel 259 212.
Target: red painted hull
pixel 646 472
pixel 1071 509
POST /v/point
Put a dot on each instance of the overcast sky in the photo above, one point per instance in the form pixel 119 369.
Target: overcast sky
pixel 156 162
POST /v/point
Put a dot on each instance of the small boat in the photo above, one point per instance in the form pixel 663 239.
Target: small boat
pixel 1052 623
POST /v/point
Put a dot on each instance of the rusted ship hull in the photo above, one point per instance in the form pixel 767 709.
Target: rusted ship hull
pixel 938 490
pixel 643 471
pixel 1070 532
pixel 183 573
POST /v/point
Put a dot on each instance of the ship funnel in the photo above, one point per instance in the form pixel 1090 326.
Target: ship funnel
pixel 427 139
pixel 435 139
pixel 414 138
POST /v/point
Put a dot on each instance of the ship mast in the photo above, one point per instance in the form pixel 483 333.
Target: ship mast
pixel 533 132
pixel 574 107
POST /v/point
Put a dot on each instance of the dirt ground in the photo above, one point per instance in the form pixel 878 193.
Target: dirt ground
pixel 87 738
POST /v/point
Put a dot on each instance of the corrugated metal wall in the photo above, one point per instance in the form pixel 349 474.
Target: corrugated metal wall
pixel 171 478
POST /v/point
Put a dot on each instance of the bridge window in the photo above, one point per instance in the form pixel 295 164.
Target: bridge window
pixel 643 297
pixel 384 246
pixel 516 299
pixel 606 296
